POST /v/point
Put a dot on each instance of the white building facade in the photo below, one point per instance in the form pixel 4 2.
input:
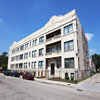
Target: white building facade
pixel 58 49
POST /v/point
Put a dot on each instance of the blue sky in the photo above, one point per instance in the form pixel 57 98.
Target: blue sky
pixel 20 18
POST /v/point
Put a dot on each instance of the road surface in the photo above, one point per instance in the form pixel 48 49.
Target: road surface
pixel 19 89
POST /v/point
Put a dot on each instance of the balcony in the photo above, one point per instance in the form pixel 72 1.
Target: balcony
pixel 53 49
pixel 54 53
pixel 54 35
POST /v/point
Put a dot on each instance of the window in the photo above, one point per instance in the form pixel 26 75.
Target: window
pixel 20 65
pixel 12 66
pixel 69 62
pixel 16 66
pixel 52 49
pixel 34 64
pixel 34 53
pixel 58 47
pixel 25 65
pixel 41 39
pixel 58 63
pixel 30 44
pixel 29 54
pixel 40 64
pixel 68 46
pixel 21 56
pixel 34 42
pixel 17 50
pixel 68 29
pixel 22 48
pixel 41 52
pixel 26 45
pixel 13 51
pixel 17 57
pixel 12 58
pixel 25 55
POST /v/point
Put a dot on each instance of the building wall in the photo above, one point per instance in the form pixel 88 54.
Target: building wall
pixel 55 23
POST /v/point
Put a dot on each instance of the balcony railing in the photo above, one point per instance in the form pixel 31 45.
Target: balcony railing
pixel 55 52
pixel 57 36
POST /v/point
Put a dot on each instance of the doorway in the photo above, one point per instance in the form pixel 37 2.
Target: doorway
pixel 52 69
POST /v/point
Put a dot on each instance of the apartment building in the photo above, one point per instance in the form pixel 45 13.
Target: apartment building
pixel 58 49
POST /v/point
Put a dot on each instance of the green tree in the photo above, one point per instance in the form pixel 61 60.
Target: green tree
pixel 4 61
pixel 96 60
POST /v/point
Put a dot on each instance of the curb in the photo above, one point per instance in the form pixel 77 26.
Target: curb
pixel 54 82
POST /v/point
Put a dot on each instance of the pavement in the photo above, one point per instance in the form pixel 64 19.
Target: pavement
pixel 12 88
pixel 54 82
pixel 91 84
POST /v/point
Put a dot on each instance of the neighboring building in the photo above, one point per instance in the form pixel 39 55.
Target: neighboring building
pixel 58 49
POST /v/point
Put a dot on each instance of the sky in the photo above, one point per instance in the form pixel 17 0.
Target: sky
pixel 20 18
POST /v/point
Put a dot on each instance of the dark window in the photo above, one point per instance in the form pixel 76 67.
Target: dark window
pixel 21 56
pixel 41 52
pixel 58 63
pixel 69 62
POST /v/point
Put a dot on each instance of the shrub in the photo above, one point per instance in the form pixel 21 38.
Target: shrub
pixel 67 77
pixel 72 78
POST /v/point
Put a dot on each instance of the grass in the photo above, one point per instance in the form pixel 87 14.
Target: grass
pixel 70 81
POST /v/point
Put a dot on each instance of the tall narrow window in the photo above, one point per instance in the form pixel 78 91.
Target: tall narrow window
pixel 41 52
pixel 40 64
pixel 41 39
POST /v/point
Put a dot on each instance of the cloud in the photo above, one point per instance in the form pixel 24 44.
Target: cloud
pixel 1 20
pixel 89 36
pixel 92 51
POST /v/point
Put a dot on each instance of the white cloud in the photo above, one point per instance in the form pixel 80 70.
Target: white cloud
pixel 92 51
pixel 89 36
pixel 1 20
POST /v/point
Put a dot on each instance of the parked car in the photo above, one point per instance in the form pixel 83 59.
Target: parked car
pixel 15 74
pixel 7 73
pixel 28 76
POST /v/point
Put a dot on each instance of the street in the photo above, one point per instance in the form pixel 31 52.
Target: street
pixel 18 89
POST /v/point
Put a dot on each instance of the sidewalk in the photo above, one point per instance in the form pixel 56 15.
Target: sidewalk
pixel 54 82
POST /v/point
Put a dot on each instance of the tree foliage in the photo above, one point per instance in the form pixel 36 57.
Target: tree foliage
pixel 96 60
pixel 4 61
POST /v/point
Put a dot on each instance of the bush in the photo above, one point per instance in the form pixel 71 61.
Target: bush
pixel 67 77
pixel 72 78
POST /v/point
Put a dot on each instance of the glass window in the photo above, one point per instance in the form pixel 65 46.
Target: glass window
pixel 69 62
pixel 41 52
pixel 22 48
pixel 21 56
pixel 41 39
pixel 68 45
pixel 58 63
pixel 20 65
pixel 71 45
pixel 68 29
pixel 40 64
pixel 34 53
pixel 52 49
pixel 58 47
